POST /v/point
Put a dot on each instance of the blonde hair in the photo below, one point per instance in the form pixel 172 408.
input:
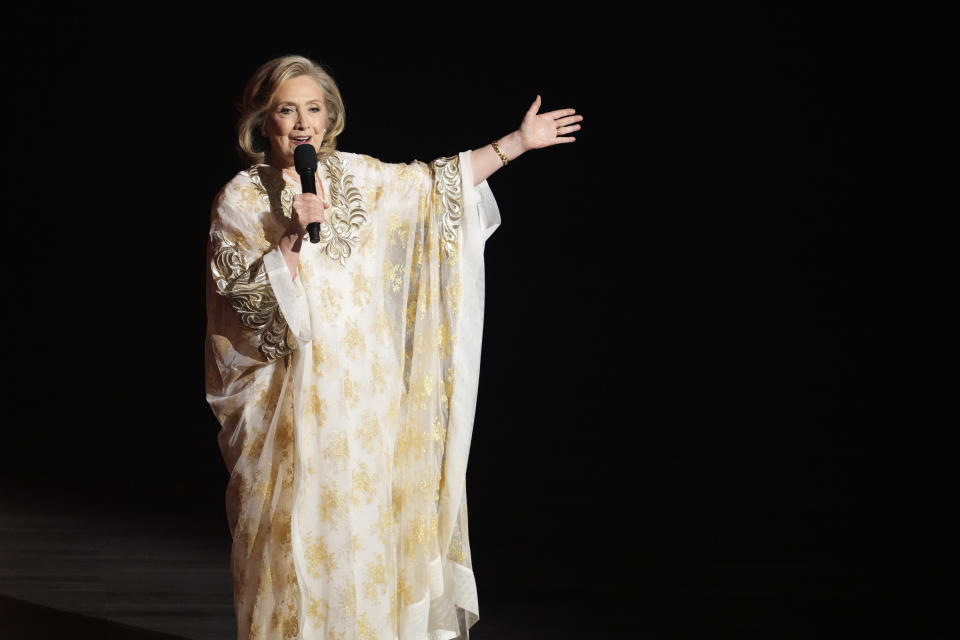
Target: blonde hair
pixel 258 98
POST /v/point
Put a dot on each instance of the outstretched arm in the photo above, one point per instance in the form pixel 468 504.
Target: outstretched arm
pixel 535 132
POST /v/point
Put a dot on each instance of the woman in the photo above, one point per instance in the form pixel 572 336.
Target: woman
pixel 344 372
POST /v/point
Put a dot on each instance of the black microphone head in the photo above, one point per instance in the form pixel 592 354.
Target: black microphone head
pixel 305 158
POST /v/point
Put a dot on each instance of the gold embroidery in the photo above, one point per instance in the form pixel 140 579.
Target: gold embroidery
pixel 350 391
pixel 361 290
pixel 318 556
pixel 249 293
pixel 376 582
pixel 348 600
pixel 405 589
pixel 337 451
pixel 330 302
pixel 317 611
pixel 383 526
pixel 340 233
pixel 396 231
pixel 452 293
pixel 354 340
pixel 369 433
pixel 381 326
pixel 272 189
pixel 393 276
pixel 332 503
pixel 412 441
pixel 319 356
pixel 364 630
pixel 447 183
pixel 356 543
pixel 377 380
pixel 362 486
pixel 316 406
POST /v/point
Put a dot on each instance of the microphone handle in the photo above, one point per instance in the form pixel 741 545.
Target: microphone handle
pixel 314 230
pixel 309 185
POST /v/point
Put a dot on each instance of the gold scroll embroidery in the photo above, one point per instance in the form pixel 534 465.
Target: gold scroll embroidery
pixel 273 190
pixel 250 295
pixel 340 233
pixel 447 181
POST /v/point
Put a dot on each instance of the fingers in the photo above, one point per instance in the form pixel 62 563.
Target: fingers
pixel 562 122
pixel 560 113
pixel 309 208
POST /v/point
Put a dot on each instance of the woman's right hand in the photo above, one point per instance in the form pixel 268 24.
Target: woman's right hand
pixel 307 208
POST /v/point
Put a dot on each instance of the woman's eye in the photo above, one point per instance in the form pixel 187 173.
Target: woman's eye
pixel 285 110
pixel 315 109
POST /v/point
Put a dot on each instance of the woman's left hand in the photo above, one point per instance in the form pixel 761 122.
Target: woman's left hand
pixel 547 129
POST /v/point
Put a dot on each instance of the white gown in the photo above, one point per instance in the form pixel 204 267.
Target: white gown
pixel 347 396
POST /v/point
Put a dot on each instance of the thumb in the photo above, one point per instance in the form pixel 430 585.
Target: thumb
pixel 532 111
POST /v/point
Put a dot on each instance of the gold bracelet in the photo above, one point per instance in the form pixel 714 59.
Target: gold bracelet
pixel 496 148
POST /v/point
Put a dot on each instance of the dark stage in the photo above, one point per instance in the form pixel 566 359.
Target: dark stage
pixel 717 394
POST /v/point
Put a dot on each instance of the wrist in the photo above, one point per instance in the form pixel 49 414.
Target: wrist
pixel 511 145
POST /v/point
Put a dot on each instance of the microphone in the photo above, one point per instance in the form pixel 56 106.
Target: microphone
pixel 305 161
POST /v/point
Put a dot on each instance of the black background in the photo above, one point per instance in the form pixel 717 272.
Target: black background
pixel 718 377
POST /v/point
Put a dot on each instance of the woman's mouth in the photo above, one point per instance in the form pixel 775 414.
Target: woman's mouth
pixel 300 139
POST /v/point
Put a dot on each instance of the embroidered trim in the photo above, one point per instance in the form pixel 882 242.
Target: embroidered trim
pixel 340 233
pixel 273 190
pixel 448 186
pixel 250 295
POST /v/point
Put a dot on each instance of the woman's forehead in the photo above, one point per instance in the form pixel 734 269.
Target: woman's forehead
pixel 298 89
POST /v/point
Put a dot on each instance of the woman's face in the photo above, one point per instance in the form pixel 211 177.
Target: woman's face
pixel 298 116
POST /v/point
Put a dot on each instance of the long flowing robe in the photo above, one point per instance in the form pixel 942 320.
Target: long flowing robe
pixel 346 398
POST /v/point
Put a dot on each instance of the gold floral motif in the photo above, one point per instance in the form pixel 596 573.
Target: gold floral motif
pixel 317 611
pixel 319 356
pixel 396 230
pixel 337 451
pixel 362 485
pixel 354 341
pixel 250 295
pixel 405 590
pixel 319 558
pixel 393 276
pixel 376 582
pixel 330 302
pixel 412 441
pixel 348 602
pixel 383 525
pixel 316 406
pixel 351 391
pixel 333 502
pixel 377 380
pixel 365 631
pixel 361 289
pixel 381 325
pixel 452 293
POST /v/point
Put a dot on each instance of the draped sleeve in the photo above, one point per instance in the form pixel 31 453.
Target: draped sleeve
pixel 255 311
